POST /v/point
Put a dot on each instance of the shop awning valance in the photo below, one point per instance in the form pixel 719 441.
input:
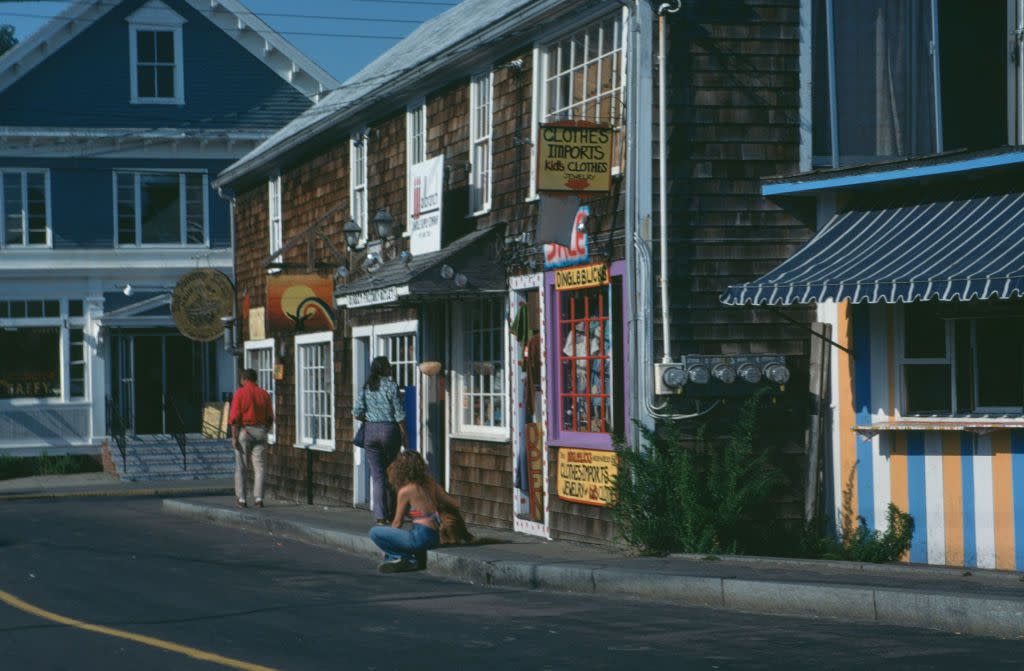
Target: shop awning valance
pixel 960 249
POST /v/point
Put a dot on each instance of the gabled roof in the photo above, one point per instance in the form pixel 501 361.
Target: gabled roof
pixel 453 37
pixel 231 16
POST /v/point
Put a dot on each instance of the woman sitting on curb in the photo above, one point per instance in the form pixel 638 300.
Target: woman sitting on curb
pixel 419 497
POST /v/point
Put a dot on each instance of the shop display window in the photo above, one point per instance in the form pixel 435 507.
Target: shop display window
pixel 31 364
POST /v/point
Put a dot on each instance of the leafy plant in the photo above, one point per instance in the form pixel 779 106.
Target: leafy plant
pixel 44 464
pixel 703 499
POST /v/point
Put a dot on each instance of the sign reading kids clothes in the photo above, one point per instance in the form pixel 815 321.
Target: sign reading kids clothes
pixel 578 251
pixel 427 179
pixel 574 156
pixel 587 476
pixel 300 303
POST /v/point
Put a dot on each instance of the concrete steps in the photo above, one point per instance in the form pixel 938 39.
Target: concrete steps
pixel 159 458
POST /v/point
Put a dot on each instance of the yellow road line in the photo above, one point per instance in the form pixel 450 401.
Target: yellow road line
pixel 195 653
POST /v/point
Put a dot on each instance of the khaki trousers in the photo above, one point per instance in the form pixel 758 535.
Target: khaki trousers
pixel 252 441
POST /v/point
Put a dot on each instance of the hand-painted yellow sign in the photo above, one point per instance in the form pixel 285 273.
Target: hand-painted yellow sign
pixel 587 476
pixel 574 156
pixel 581 277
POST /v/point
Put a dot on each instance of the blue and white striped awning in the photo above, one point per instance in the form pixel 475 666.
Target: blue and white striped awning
pixel 961 249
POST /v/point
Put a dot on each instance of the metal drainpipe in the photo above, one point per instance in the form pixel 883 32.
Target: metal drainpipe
pixel 666 331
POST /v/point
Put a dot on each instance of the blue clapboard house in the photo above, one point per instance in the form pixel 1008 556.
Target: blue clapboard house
pixel 114 119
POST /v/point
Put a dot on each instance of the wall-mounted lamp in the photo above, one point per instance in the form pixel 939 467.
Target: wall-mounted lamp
pixel 406 257
pixel 372 262
pixel 229 335
pixel 383 223
pixel 352 232
pixel 341 273
pixel 447 272
pixel 128 290
pixel 461 281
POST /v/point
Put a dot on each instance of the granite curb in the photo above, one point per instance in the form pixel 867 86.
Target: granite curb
pixel 114 493
pixel 958 613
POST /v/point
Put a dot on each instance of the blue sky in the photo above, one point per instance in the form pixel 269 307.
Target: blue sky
pixel 349 33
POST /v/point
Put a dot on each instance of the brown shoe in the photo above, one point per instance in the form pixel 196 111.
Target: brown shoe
pixel 240 503
pixel 258 503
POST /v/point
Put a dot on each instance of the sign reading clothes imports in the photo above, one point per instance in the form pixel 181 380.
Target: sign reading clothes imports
pixel 574 156
pixel 587 476
pixel 199 300
pixel 581 277
pixel 427 179
pixel 300 303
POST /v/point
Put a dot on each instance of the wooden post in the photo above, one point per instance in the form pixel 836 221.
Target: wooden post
pixel 819 397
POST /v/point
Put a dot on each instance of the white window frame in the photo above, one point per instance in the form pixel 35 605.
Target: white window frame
pixel 182 216
pixel 158 17
pixel 1013 414
pixel 64 323
pixel 23 174
pixel 358 190
pixel 274 216
pixel 415 150
pixel 462 371
pixel 302 341
pixel 481 95
pixel 540 87
pixel 266 382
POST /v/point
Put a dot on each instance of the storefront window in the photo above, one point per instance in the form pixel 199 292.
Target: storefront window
pixel 481 382
pixel 30 365
pixel 259 355
pixel 957 361
pixel 314 382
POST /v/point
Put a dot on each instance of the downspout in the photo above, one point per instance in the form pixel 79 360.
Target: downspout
pixel 666 331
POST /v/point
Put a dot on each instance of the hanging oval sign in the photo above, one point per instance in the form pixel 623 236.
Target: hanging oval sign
pixel 199 300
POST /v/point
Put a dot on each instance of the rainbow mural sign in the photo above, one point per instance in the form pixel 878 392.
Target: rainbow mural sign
pixel 300 303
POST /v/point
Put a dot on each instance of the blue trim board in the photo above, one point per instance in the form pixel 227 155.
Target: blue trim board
pixel 917 496
pixel 862 408
pixel 892 175
pixel 1017 461
pixel 967 478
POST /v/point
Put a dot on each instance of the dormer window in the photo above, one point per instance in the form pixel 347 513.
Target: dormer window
pixel 155 48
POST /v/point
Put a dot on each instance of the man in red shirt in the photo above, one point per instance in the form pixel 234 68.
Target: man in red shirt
pixel 252 416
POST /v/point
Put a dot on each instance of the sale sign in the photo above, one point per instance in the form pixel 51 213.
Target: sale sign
pixel 578 252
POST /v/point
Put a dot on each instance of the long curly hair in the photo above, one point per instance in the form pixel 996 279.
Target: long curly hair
pixel 380 367
pixel 409 467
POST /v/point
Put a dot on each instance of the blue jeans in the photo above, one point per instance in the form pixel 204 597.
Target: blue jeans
pixel 402 544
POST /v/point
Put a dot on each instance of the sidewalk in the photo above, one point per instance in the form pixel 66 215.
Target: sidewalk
pixel 978 602
pixel 103 484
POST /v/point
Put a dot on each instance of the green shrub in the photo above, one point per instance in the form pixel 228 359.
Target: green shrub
pixel 66 464
pixel 701 499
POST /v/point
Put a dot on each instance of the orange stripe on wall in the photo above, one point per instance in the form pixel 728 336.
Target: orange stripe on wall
pixel 1002 499
pixel 898 476
pixel 847 438
pixel 953 498
pixel 890 314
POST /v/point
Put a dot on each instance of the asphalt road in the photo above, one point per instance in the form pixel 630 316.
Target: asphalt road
pixel 281 604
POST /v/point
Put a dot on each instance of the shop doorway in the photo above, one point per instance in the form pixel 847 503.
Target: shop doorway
pixel 397 341
pixel 160 381
pixel 529 430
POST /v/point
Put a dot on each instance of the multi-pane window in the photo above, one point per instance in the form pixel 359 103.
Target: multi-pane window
pixel 480 124
pixel 417 133
pixel 274 208
pixel 400 349
pixel 357 191
pixel 259 355
pixel 584 77
pixel 33 309
pixel 77 359
pixel 955 362
pixel 156 61
pixel 31 364
pixel 314 386
pixel 481 395
pixel 24 209
pixel 161 208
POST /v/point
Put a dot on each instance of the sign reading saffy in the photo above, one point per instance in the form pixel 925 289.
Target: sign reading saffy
pixel 426 178
pixel 559 256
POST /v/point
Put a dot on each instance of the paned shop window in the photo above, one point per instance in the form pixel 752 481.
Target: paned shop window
pixel 259 355
pixel 481 99
pixel 480 385
pixel 161 208
pixel 956 361
pixel 584 78
pixel 274 212
pixel 314 390
pixel 588 357
pixel 31 364
pixel 24 208
pixel 357 184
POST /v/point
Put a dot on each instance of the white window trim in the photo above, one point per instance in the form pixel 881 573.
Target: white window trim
pixel 540 98
pixel 476 137
pixel 459 428
pixel 24 199
pixel 990 414
pixel 359 139
pixel 312 339
pixel 417 106
pixel 256 345
pixel 275 225
pixel 63 323
pixel 156 16
pixel 182 216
